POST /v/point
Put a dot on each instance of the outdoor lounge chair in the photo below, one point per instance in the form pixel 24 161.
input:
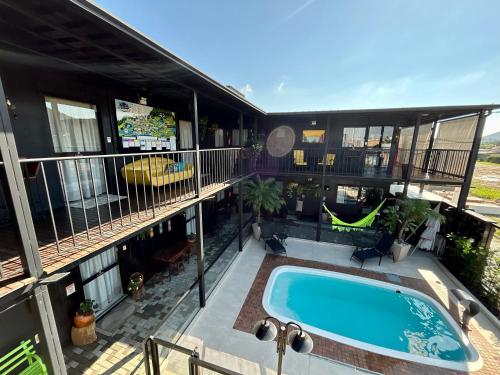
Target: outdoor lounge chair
pixel 271 239
pixel 382 248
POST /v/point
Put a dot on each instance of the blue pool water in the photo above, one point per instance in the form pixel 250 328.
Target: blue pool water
pixel 367 313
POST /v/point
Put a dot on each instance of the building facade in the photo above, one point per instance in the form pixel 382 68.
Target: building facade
pixel 113 148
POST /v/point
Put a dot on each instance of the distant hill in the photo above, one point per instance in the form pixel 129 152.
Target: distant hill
pixel 492 138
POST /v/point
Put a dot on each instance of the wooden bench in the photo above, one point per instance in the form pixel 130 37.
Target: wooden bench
pixel 23 355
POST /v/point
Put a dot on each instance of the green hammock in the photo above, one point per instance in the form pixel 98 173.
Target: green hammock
pixel 365 222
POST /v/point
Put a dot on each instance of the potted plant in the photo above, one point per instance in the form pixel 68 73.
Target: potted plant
pixel 404 218
pixel 191 238
pixel 85 314
pixel 136 285
pixel 262 195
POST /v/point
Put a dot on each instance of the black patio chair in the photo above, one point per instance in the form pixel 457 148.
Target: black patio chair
pixel 381 249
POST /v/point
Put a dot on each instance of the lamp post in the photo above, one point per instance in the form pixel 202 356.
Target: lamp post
pixel 298 339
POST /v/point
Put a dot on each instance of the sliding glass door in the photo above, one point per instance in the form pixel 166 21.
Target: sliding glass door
pixel 101 280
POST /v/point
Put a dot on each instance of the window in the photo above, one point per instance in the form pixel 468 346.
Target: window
pixel 354 137
pixel 73 126
pixel 374 134
pixel 236 137
pixel 313 136
pixel 190 215
pixel 387 136
pixel 347 194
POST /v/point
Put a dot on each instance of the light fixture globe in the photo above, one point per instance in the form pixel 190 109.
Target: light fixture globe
pixel 265 330
pixel 300 341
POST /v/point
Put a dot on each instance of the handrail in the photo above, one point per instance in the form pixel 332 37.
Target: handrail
pixel 152 360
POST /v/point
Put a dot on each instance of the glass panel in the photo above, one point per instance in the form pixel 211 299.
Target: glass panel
pixel 374 136
pixel 104 290
pixel 96 264
pixel 347 194
pixel 354 137
pixel 387 137
pixel 73 125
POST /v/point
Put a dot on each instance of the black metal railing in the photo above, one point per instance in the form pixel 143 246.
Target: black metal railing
pixel 446 163
pixel 195 364
pixel 340 161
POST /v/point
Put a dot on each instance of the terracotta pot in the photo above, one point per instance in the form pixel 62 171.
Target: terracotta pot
pixel 139 292
pixel 81 321
pixel 191 240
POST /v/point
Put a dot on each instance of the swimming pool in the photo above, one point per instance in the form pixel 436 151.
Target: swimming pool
pixel 369 314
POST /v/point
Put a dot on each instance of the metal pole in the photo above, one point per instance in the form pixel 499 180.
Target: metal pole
pixel 240 186
pixel 471 163
pixel 412 155
pixel 29 248
pixel 199 207
pixel 323 173
pixel 429 149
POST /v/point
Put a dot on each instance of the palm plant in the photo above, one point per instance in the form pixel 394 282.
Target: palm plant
pixel 407 215
pixel 262 195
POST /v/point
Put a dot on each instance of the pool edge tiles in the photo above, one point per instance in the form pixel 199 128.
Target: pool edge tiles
pixel 472 363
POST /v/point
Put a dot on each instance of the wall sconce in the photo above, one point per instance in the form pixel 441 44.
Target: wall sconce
pixel 313 123
pixel 11 107
pixel 143 100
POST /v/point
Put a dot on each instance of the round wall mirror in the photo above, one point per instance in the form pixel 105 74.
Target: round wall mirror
pixel 280 141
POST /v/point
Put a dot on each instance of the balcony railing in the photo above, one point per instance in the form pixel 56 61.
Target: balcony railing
pixel 80 202
pixel 339 161
pixel 368 162
pixel 436 163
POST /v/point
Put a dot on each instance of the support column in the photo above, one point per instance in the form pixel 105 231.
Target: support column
pixel 429 149
pixel 29 245
pixel 394 149
pixel 471 163
pixel 412 155
pixel 240 187
pixel 199 207
pixel 322 186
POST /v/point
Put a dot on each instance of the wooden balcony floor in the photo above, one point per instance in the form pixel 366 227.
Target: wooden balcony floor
pixel 111 229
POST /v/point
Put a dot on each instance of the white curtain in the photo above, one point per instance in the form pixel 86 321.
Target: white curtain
pixel 219 138
pixel 75 129
pixel 106 288
pixel 456 134
pixel 186 140
pixel 235 137
pixel 190 222
pixel 71 178
pixel 354 137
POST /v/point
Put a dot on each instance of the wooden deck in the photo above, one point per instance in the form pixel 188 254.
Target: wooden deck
pixel 60 254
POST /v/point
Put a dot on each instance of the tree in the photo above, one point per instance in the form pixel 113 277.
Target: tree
pixel 262 195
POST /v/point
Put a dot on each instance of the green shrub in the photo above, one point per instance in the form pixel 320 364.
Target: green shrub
pixel 493 159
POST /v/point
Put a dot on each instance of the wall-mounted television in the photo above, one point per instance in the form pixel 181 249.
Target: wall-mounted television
pixel 143 127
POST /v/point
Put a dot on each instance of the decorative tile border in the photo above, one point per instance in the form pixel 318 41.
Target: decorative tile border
pixel 252 311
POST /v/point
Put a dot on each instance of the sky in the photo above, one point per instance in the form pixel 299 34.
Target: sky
pixel 290 55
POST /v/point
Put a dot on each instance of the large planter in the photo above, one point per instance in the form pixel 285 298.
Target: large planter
pixel 256 231
pixel 81 321
pixel 400 250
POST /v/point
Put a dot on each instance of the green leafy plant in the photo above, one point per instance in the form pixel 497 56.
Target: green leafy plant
pixel 86 307
pixel 474 258
pixel 254 145
pixel 262 195
pixel 135 282
pixel 407 215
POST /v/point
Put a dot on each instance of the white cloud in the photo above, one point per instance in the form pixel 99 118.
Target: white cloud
pixel 281 87
pixel 247 89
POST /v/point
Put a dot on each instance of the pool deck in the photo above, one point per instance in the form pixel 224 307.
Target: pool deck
pixel 221 329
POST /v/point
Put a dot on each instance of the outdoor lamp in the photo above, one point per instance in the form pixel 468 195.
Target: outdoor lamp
pixel 299 340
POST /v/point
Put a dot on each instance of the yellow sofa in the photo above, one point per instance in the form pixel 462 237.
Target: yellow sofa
pixel 160 174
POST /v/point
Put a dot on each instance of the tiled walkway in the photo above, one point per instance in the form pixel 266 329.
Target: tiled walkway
pixel 120 351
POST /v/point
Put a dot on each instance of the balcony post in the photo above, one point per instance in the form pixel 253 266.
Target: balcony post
pixel 411 157
pixel 30 255
pixel 429 149
pixel 471 162
pixel 322 187
pixel 200 257
pixel 393 150
pixel 240 186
